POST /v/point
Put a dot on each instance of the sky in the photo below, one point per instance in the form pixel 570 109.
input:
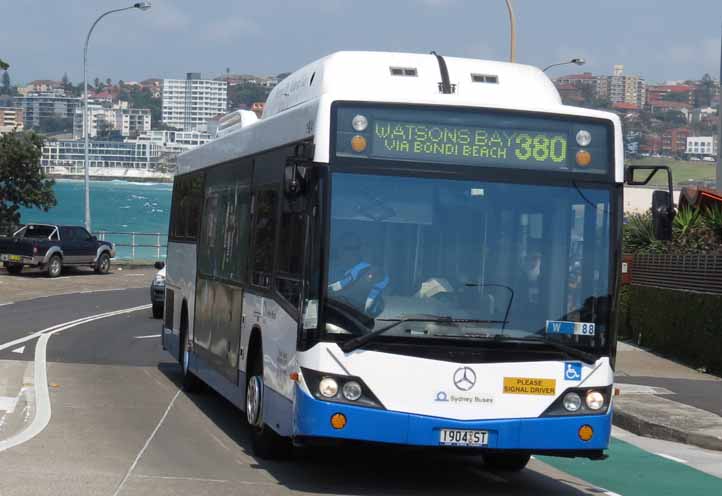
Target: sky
pixel 658 39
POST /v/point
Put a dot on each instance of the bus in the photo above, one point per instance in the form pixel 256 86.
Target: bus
pixel 405 249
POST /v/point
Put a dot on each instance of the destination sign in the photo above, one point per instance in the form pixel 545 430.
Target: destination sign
pixel 411 136
pixel 442 143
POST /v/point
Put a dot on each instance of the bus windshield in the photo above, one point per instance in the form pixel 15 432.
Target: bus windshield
pixel 471 259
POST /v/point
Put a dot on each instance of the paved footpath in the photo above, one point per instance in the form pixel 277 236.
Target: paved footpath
pixel 664 399
pixel 32 283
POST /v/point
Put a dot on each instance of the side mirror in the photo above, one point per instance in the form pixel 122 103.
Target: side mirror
pixel 662 215
pixel 159 265
pixel 294 178
pixel 93 238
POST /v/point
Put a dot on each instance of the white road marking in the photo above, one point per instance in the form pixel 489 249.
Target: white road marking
pixel 149 336
pixel 145 446
pixel 6 304
pixel 40 375
pixel 673 458
pixel 68 325
pixel 20 350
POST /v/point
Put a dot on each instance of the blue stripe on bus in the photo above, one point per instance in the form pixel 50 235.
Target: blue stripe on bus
pixel 312 418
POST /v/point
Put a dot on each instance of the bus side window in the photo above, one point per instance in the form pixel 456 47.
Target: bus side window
pixel 264 232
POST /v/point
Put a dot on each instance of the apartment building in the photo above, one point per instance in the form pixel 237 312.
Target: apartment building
pixel 38 107
pixel 627 89
pixel 705 146
pixel 67 156
pixel 189 103
pixel 104 120
pixel 132 122
pixel 598 86
pixel 11 119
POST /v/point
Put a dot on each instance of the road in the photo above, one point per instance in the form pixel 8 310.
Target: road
pixel 94 408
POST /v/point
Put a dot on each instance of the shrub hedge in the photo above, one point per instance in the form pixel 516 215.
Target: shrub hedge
pixel 681 324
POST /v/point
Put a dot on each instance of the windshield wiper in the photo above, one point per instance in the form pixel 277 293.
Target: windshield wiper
pixel 355 343
pixel 568 350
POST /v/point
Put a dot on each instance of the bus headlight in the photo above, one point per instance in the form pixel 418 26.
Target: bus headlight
pixel 360 123
pixel 595 400
pixel 337 388
pixel 352 390
pixel 572 402
pixel 328 387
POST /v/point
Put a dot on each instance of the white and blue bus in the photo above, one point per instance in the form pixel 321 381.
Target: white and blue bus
pixel 407 249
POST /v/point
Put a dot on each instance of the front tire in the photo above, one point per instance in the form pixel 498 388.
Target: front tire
pixel 508 462
pixel 14 269
pixel 157 310
pixel 55 266
pixel 265 442
pixel 102 265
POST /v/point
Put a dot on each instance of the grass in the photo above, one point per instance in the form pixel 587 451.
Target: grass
pixel 684 172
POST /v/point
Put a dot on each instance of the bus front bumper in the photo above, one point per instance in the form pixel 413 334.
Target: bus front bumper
pixel 312 418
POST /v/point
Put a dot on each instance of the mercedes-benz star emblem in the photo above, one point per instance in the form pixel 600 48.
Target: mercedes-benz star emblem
pixel 464 379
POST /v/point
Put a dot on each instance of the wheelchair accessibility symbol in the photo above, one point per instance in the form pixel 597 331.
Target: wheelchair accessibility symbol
pixel 572 371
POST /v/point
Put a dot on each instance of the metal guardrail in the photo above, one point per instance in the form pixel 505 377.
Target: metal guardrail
pixel 701 272
pixel 130 240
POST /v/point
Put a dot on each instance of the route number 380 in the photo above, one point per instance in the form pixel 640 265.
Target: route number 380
pixel 541 148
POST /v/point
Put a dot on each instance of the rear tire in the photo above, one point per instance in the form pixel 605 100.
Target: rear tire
pixel 14 269
pixel 157 310
pixel 265 442
pixel 55 266
pixel 508 462
pixel 102 265
pixel 190 383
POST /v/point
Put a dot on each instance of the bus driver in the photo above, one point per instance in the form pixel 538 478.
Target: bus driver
pixel 356 281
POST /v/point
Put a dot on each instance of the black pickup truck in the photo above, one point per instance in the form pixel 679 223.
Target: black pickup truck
pixel 51 247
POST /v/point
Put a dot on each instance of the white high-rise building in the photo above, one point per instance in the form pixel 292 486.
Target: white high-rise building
pixel 189 103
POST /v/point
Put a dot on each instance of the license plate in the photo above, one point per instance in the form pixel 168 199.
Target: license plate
pixel 11 258
pixel 460 437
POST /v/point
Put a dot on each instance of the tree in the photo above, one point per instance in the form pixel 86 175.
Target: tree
pixel 6 84
pixel 4 65
pixel 67 85
pixel 97 85
pixel 22 181
pixel 109 82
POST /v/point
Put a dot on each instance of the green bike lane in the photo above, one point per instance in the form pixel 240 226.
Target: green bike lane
pixel 631 471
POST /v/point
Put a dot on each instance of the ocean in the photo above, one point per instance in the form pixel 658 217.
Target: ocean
pixel 116 206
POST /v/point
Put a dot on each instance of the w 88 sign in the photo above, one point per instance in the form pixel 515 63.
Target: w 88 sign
pixel 570 328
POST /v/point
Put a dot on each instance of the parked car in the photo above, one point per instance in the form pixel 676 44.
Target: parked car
pixel 52 247
pixel 157 291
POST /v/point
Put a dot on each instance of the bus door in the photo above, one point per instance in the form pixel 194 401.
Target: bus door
pixel 222 273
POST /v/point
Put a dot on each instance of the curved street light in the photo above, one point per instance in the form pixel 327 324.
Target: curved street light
pixel 576 61
pixel 140 6
pixel 512 32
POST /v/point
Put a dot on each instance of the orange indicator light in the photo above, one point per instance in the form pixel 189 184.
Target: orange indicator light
pixel 584 158
pixel 294 376
pixel 338 421
pixel 358 143
pixel 586 433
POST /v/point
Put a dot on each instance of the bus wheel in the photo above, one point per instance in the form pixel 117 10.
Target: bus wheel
pixel 265 442
pixel 190 382
pixel 509 462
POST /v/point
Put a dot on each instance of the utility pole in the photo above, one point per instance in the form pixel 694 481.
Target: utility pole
pixel 719 113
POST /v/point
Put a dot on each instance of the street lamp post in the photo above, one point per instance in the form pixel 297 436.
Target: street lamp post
pixel 86 162
pixel 576 61
pixel 512 32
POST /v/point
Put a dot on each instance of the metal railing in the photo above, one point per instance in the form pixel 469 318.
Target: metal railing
pixel 696 272
pixel 137 243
